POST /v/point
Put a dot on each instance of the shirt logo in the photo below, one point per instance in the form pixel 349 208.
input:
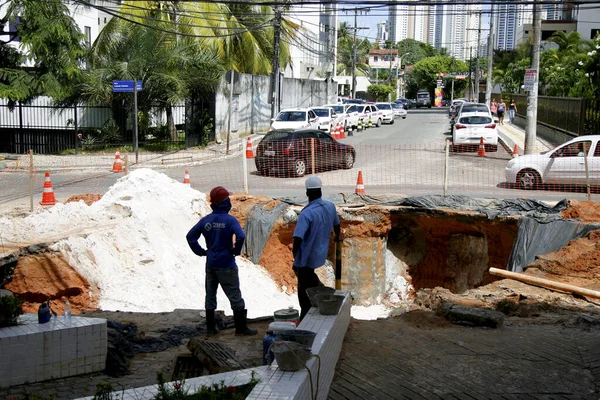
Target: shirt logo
pixel 218 225
pixel 208 227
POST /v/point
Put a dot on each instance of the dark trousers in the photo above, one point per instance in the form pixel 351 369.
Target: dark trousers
pixel 230 283
pixel 307 278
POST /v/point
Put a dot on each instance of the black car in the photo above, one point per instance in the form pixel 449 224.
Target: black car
pixel 354 101
pixel 290 152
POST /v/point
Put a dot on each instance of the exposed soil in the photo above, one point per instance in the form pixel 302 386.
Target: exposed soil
pixel 88 199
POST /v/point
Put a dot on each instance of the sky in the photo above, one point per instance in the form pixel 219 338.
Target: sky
pixel 131 244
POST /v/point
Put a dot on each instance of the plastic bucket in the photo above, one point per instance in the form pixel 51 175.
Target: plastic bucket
pixel 290 356
pixel 287 314
pixel 329 304
pixel 313 291
pixel 300 336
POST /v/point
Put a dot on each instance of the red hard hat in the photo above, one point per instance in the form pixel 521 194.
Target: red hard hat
pixel 218 195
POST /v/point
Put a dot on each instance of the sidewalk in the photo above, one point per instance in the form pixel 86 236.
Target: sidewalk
pixel 513 135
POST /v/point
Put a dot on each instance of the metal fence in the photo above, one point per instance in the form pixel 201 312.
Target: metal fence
pixel 409 170
pixel 575 116
pixel 47 129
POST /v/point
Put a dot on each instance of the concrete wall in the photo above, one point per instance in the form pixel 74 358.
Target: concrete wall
pixel 251 112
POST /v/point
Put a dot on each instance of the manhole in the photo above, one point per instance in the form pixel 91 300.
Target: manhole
pixel 186 366
pixel 216 357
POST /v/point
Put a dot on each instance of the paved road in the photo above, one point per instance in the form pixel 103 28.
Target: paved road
pixel 406 158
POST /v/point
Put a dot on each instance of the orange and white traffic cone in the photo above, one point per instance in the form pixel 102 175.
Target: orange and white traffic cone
pixel 249 149
pixel 117 165
pixel 48 198
pixel 342 131
pixel 516 151
pixel 481 149
pixel 360 186
pixel 186 178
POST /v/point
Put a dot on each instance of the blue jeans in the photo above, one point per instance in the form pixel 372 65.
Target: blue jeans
pixel 230 283
pixel 511 115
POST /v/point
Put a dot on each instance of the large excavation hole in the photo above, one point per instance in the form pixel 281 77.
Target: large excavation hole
pixel 454 251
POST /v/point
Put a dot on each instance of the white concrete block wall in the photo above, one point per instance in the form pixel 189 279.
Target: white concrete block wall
pixel 33 352
pixel 274 383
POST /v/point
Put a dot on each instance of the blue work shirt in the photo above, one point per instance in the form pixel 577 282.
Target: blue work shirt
pixel 218 229
pixel 314 226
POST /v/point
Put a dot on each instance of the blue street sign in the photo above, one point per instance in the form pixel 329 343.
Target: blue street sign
pixel 126 86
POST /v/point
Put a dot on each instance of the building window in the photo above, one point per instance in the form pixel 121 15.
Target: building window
pixel 88 36
pixel 13 31
pixel 375 58
pixel 593 33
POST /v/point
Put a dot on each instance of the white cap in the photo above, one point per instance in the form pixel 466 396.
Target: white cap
pixel 313 182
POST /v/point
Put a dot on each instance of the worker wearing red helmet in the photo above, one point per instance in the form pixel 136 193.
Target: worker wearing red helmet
pixel 219 229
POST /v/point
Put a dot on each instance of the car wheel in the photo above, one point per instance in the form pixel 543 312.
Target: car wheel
pixel 392 122
pixel 262 170
pixel 403 117
pixel 528 179
pixel 348 161
pixel 493 148
pixel 300 167
pixel 378 122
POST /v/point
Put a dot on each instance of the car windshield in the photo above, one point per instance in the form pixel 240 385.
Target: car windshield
pixel 278 135
pixel 383 106
pixel 475 120
pixel 292 116
pixel 467 108
pixel 422 95
pixel 321 112
pixel 397 105
pixel 338 109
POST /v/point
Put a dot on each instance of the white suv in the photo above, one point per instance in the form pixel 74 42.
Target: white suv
pixel 298 118
pixel 387 111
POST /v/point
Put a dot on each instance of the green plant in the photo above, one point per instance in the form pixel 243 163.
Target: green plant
pixel 178 391
pixel 11 306
pixel 110 132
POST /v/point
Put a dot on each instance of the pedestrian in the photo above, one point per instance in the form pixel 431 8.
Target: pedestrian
pixel 494 107
pixel 311 240
pixel 220 230
pixel 501 110
pixel 512 110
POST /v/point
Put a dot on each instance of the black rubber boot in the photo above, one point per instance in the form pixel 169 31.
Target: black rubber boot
pixel 211 325
pixel 241 326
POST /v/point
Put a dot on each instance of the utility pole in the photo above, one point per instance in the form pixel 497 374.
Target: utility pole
pixel 490 60
pixel 532 96
pixel 354 54
pixel 275 64
pixel 477 62
pixel 470 88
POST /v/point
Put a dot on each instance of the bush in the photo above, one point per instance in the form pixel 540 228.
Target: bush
pixel 11 306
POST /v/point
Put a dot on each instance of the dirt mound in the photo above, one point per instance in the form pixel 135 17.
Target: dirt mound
pixel 47 276
pixel 585 211
pixel 88 198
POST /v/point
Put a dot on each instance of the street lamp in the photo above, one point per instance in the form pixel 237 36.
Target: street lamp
pixel 397 76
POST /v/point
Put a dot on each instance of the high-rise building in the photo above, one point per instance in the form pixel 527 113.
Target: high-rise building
pixel 509 17
pixel 382 32
pixel 399 19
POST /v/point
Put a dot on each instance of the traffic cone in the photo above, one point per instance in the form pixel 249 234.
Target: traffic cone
pixel 516 151
pixel 342 131
pixel 249 150
pixel 117 165
pixel 48 198
pixel 481 149
pixel 186 178
pixel 360 187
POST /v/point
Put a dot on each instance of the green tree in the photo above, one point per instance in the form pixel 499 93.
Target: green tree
pixel 424 74
pixel 380 91
pixel 345 52
pixel 417 50
pixel 52 44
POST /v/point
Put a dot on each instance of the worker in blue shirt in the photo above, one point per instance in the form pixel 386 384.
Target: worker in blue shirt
pixel 219 229
pixel 311 240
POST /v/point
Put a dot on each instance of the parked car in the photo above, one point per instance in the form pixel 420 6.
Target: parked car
pixel 299 118
pixel 357 113
pixel 467 107
pixel 326 117
pixel 371 115
pixel 412 103
pixel 348 118
pixel 563 165
pixel 354 101
pixel 471 127
pixel 454 106
pixel 399 110
pixel 289 151
pixel 387 111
